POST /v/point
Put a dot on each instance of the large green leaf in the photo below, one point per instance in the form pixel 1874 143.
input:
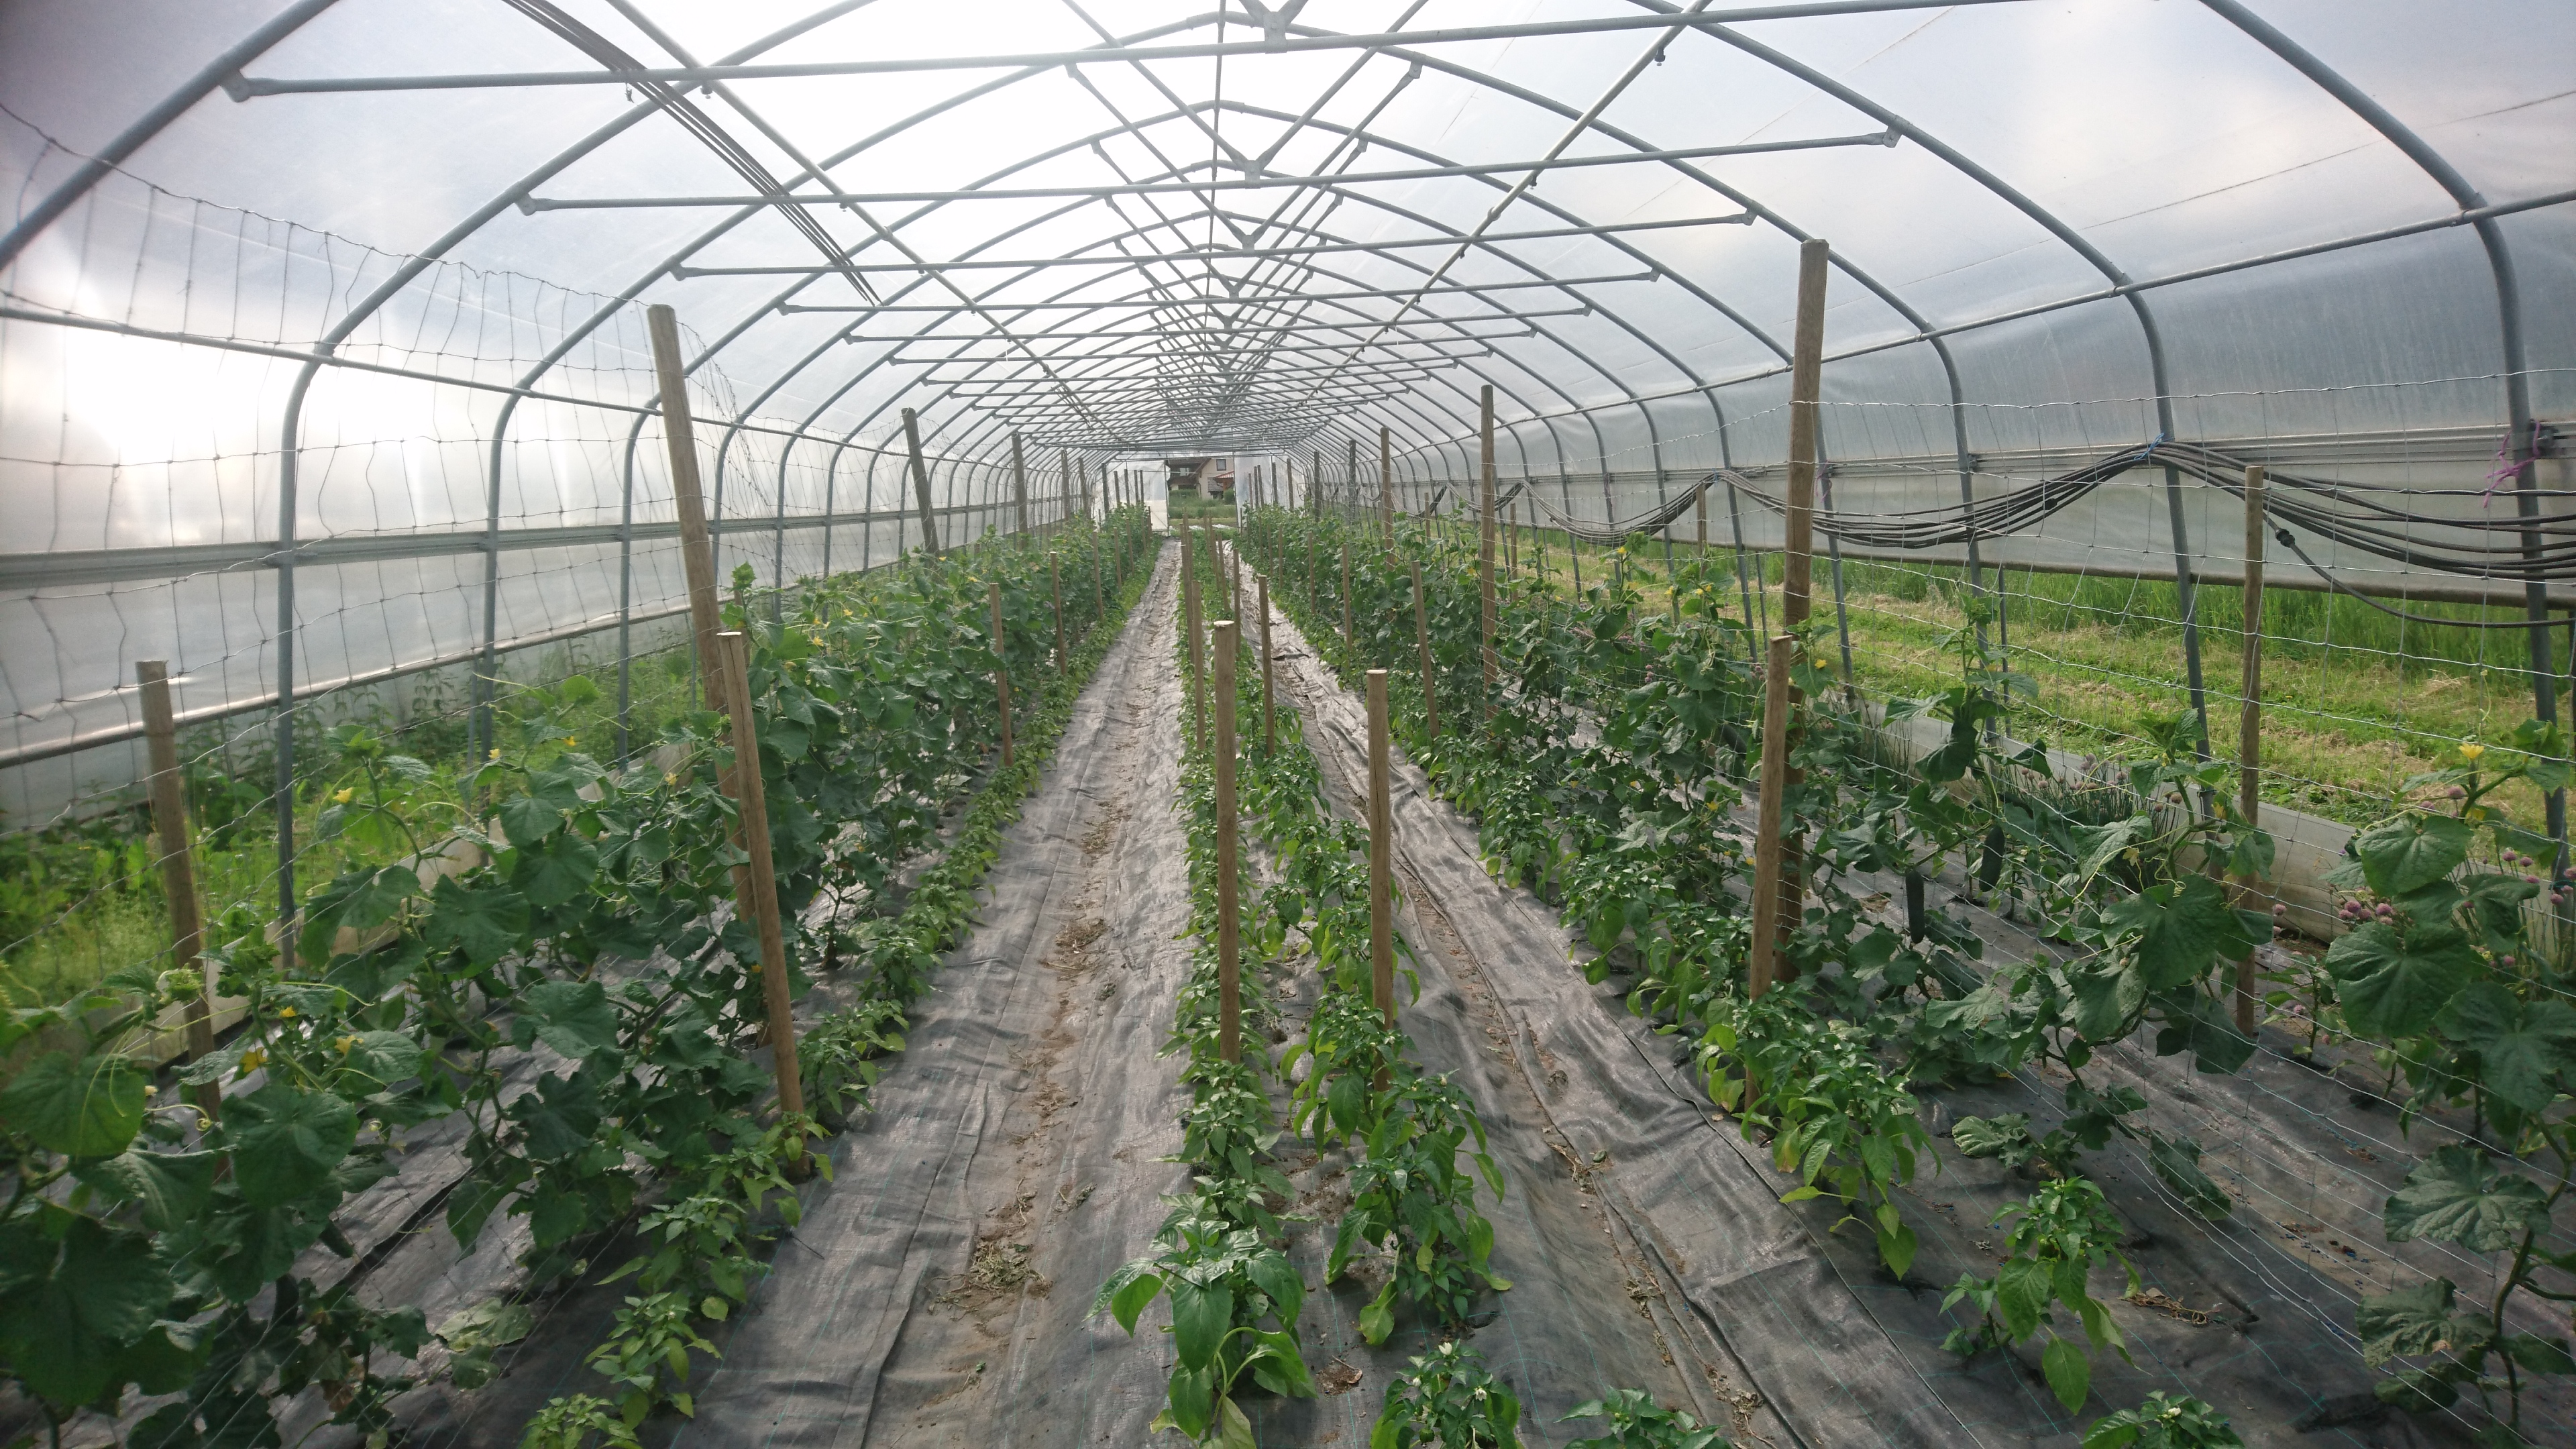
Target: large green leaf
pixel 1192 1396
pixel 2392 984
pixel 1992 1136
pixel 2405 1323
pixel 2458 1196
pixel 486 922
pixel 2195 1022
pixel 78 1296
pixel 286 1141
pixel 528 819
pixel 555 870
pixel 2182 928
pixel 573 1017
pixel 170 1186
pixel 1201 1314
pixel 559 1117
pixel 2023 1289
pixel 2412 851
pixel 2523 1050
pixel 382 1057
pixel 87 1106
pixel 2499 900
pixel 2070 1373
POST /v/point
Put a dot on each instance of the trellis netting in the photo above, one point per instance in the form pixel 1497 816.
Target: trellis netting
pixel 326 375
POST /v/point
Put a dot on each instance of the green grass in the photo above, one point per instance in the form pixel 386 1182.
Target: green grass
pixel 1191 508
pixel 2354 701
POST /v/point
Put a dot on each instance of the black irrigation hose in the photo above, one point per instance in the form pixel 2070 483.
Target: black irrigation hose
pixel 2291 542
pixel 2361 522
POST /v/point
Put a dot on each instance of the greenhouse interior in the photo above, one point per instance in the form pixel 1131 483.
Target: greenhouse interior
pixel 1604 724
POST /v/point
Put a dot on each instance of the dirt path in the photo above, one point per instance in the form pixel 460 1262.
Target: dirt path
pixel 1599 1302
pixel 2249 1313
pixel 937 1290
pixel 1793 1354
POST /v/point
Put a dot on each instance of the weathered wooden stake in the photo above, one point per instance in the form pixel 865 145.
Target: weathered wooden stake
pixel 1190 612
pixel 1228 938
pixel 178 864
pixel 1422 638
pixel 697 557
pixel 755 883
pixel 1485 544
pixel 1806 383
pixel 1381 828
pixel 1386 484
pixel 1350 639
pixel 1001 672
pixel 1269 718
pixel 2249 729
pixel 1055 594
pixel 1020 490
pixel 920 482
pixel 1768 891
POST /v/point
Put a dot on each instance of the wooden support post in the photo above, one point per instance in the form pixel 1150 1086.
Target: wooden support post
pixel 2249 729
pixel 1386 484
pixel 1020 489
pixel 1269 717
pixel 920 482
pixel 178 864
pixel 1422 638
pixel 1234 572
pixel 1381 829
pixel 1768 889
pixel 1806 373
pixel 1485 545
pixel 1001 671
pixel 1228 928
pixel 697 557
pixel 1350 639
pixel 755 884
pixel 1055 593
pixel 1190 620
pixel 1099 592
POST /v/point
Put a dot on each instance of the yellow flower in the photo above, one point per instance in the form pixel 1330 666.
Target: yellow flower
pixel 253 1060
pixel 2470 750
pixel 343 1044
pixel 669 778
pixel 286 1011
pixel 496 754
pixel 343 797
pixel 2477 812
pixel 570 741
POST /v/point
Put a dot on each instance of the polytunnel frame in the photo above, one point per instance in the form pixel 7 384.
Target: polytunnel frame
pixel 225 72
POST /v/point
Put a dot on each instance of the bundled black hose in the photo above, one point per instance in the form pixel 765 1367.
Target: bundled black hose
pixel 2368 518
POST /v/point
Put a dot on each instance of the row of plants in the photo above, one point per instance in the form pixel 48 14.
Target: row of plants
pixel 702 1257
pixel 1413 1203
pixel 1602 769
pixel 545 904
pixel 1220 1257
pixel 81 895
